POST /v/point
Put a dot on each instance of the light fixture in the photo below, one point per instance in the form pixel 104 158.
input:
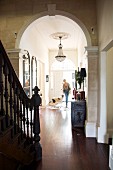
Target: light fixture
pixel 26 55
pixel 59 36
pixel 60 57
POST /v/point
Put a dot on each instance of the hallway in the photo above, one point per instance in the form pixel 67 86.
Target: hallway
pixel 67 149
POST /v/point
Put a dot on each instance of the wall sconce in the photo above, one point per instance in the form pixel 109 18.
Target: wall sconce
pixel 47 78
pixel 92 30
pixel 15 35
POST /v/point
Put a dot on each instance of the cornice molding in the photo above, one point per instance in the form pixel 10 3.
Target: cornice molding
pixel 13 50
pixel 92 51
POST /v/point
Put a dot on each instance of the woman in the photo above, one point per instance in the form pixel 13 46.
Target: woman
pixel 66 89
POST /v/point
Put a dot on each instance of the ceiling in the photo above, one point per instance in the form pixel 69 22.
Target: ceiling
pixel 47 25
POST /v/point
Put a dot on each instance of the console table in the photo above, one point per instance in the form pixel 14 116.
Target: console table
pixel 78 113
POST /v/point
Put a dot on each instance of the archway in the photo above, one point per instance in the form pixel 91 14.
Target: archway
pixel 56 12
pixel 92 54
pixel 42 15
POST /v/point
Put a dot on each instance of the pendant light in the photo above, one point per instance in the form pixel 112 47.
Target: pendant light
pixel 60 57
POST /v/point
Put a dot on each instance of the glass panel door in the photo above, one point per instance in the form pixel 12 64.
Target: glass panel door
pixel 26 74
pixel 33 72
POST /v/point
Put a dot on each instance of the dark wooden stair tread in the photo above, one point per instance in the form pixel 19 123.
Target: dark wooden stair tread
pixel 6 131
pixel 7 162
pixel 2 117
pixel 18 154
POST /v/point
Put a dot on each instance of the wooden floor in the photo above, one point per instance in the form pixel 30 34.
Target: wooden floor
pixel 67 149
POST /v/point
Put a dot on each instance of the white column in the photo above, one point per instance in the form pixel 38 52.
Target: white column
pixel 92 92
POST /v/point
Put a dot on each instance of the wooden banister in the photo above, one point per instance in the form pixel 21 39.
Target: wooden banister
pixel 16 106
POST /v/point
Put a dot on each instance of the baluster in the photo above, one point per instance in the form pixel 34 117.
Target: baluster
pixel 6 94
pixel 15 110
pixel 10 100
pixel 18 113
pixel 2 122
pixel 24 119
pixel 27 121
pixel 31 124
pixel 1 86
pixel 21 118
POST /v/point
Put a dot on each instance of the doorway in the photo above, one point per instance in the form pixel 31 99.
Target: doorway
pixel 60 71
pixel 41 46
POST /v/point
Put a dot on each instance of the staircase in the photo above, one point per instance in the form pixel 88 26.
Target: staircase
pixel 19 120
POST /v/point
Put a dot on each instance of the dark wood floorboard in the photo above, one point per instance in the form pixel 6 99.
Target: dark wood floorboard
pixel 67 149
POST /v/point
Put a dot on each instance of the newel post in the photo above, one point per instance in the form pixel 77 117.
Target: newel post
pixel 35 103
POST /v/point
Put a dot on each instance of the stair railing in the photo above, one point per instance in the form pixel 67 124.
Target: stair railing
pixel 17 111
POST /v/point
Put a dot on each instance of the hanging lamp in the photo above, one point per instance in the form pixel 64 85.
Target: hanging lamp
pixel 60 57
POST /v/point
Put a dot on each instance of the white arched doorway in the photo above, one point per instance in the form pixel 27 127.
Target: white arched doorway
pixel 34 43
pixel 39 45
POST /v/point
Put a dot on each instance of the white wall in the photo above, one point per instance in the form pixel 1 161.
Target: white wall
pixel 105 41
pixel 105 22
pixel 81 51
pixel 32 42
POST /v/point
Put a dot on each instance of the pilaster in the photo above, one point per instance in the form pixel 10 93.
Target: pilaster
pixel 92 95
pixel 13 55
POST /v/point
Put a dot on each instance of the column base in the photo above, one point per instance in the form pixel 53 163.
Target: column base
pixel 90 129
pixel 111 157
pixel 102 136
